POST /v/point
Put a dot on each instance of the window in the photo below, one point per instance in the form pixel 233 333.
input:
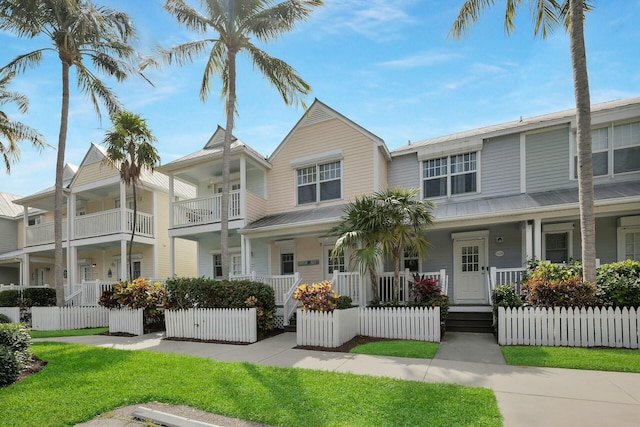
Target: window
pixel 632 246
pixel 235 265
pixel 446 176
pixel 217 266
pixel 137 269
pixel 600 150
pixel 557 247
pixel 35 220
pixel 626 146
pixel 234 187
pixel 286 263
pixel 129 203
pixel 319 183
pixel 629 238
pixel 334 264
pixel 410 261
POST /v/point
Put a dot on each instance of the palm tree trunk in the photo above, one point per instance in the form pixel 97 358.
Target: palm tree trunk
pixel 57 210
pixel 133 232
pixel 374 285
pixel 226 154
pixel 583 121
pixel 396 274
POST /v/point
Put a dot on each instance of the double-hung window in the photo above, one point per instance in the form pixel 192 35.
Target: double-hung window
pixel 600 150
pixel 235 265
pixel 451 175
pixel 320 182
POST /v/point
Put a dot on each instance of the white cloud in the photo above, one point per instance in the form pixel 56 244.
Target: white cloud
pixel 424 59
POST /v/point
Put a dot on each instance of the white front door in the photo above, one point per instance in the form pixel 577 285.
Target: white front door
pixel 330 264
pixel 469 271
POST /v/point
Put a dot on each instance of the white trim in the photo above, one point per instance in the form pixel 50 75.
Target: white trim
pixel 376 169
pixel 470 235
pixel 134 257
pixel 628 224
pixel 285 244
pixel 565 227
pixel 559 227
pixel 327 157
pixel 629 221
pixel 449 148
pixel 523 163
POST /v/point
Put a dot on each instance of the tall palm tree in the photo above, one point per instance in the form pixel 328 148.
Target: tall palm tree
pixel 79 32
pixel 130 149
pixel 358 233
pixel 404 220
pixel 548 13
pixel 12 132
pixel 233 23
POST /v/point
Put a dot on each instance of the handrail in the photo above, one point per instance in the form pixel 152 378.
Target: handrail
pixel 290 304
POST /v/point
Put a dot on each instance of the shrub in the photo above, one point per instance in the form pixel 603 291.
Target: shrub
pixel 426 293
pixel 39 297
pixel 316 296
pixel 343 302
pixel 10 298
pixel 505 296
pixel 140 293
pixel 208 293
pixel 560 293
pixel 4 318
pixel 15 336
pixel 9 366
pixel 618 284
pixel 546 271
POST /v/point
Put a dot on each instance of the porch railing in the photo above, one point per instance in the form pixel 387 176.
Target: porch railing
pixel 204 210
pixel 350 284
pixel 504 276
pixel 386 279
pixel 41 234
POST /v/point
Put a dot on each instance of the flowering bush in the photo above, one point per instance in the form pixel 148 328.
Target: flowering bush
pixel 426 293
pixel 318 296
pixel 140 293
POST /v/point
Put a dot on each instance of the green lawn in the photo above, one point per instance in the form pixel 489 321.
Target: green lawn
pixel 69 333
pixel 81 382
pixel 415 349
pixel 599 359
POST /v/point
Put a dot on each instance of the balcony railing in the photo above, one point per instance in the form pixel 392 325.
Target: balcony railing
pixel 93 225
pixel 204 210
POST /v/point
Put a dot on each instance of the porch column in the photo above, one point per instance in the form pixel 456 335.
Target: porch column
pixel 243 187
pixel 25 271
pixel 528 238
pixel 72 273
pixel 124 267
pixel 537 238
pixel 171 199
pixel 245 245
pixel 123 210
pixel 71 216
pixel 25 224
pixel 172 256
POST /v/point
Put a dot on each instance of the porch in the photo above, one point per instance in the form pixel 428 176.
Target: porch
pixel 205 210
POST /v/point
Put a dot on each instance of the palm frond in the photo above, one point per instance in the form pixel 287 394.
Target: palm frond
pixel 97 92
pixel 188 16
pixel 272 22
pixel 469 14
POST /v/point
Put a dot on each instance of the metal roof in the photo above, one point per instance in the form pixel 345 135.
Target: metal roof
pixel 298 217
pixel 7 207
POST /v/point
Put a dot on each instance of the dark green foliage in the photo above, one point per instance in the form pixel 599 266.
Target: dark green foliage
pixel 39 297
pixel 208 293
pixel 15 336
pixel 618 284
pixel 9 366
pixel 343 302
pixel 4 319
pixel 505 296
pixel 557 285
pixel 10 298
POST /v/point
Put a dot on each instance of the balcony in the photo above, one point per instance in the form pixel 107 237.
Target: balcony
pixel 93 225
pixel 204 210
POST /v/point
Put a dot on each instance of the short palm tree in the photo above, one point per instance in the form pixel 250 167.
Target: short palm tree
pixel 130 149
pixel 233 24
pixel 77 32
pixel 404 221
pixel 12 132
pixel 548 13
pixel 358 234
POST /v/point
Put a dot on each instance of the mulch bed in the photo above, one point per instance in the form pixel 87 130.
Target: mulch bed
pixel 346 347
pixel 34 367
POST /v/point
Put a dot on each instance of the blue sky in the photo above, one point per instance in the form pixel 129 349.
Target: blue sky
pixel 386 64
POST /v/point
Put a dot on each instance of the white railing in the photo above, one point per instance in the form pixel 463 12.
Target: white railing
pixel 504 276
pixel 40 234
pixel 579 327
pixel 407 323
pixel 13 313
pixel 92 290
pixel 386 279
pixel 221 324
pixel 350 284
pixel 326 329
pixel 97 224
pixel 204 210
pixel 144 223
pixel 125 320
pixel 65 318
pixel 11 287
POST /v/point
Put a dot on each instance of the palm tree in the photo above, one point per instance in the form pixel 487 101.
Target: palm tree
pixel 358 233
pixel 11 131
pixel 548 13
pixel 233 23
pixel 130 149
pixel 404 219
pixel 79 32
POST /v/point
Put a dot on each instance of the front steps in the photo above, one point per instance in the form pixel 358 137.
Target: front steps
pixel 470 321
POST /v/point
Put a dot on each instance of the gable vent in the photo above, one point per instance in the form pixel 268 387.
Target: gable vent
pixel 317 115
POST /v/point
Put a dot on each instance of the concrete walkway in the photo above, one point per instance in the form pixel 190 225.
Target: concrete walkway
pixel 526 396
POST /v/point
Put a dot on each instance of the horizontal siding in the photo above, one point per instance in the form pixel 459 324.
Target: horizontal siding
pixel 404 171
pixel 548 160
pixel 255 182
pixel 326 136
pixel 260 257
pixel 383 171
pixel 9 233
pixel 186 259
pixel 606 240
pixel 93 173
pixel 500 169
pixel 256 207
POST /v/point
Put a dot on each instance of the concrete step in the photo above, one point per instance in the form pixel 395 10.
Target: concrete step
pixel 470 322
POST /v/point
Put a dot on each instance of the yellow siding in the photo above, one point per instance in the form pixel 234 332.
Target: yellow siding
pixel 309 249
pixel 186 258
pixel 186 251
pixel 256 207
pixel 93 173
pixel 330 135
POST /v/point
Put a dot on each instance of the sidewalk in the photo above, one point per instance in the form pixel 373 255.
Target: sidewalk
pixel 526 396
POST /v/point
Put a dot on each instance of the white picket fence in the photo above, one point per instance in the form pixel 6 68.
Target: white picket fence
pixel 592 327
pixel 220 324
pixel 409 323
pixel 125 320
pixel 13 313
pixel 326 328
pixel 65 318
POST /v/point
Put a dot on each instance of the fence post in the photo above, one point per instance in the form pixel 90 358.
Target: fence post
pixel 501 326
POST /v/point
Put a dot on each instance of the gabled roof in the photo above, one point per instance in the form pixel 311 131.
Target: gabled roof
pixel 320 112
pixel 521 125
pixel 9 209
pixel 212 150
